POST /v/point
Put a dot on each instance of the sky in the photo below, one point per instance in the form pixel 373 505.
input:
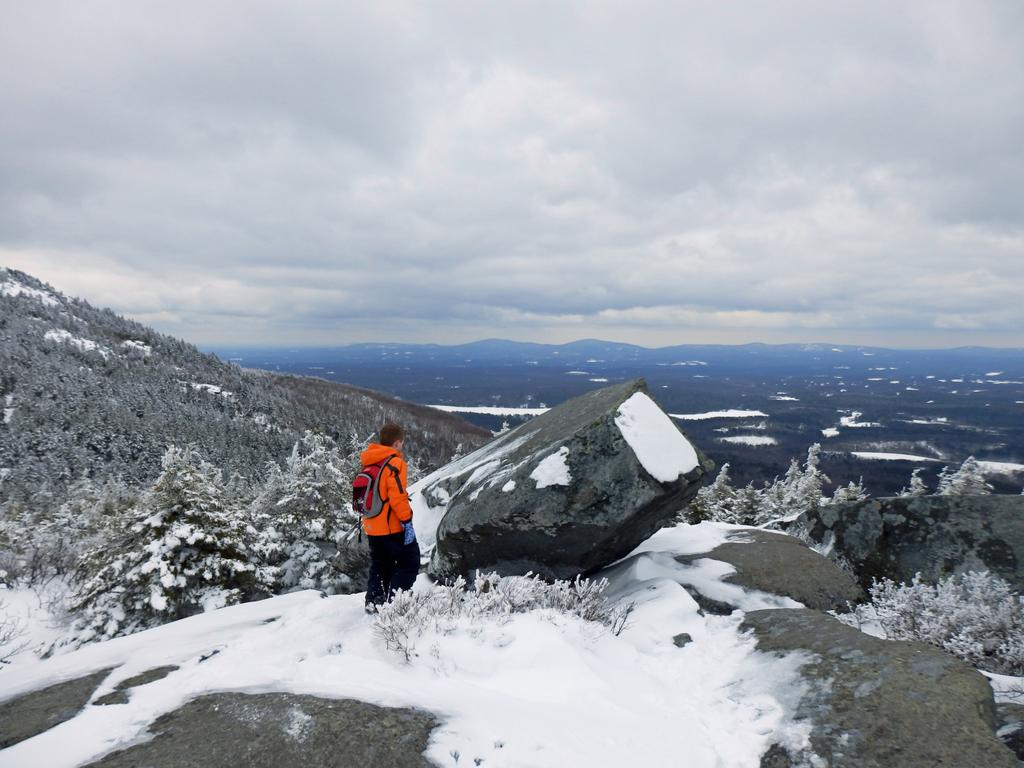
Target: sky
pixel 319 173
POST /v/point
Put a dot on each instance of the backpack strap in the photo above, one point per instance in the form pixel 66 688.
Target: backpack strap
pixel 398 476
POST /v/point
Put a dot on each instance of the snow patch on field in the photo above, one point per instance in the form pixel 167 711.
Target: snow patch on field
pixel 490 410
pixel 850 420
pixel 782 397
pixel 750 440
pixel 60 336
pixel 659 446
pixel 830 432
pixel 552 470
pixel 507 692
pixel 1000 467
pixel 732 413
pixel 875 456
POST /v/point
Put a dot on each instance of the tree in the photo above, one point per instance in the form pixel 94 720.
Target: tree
pixel 850 492
pixel 916 487
pixel 182 553
pixel 968 480
pixel 712 501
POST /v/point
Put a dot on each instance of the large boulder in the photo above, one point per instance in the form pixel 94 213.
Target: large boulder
pixel 783 565
pixel 934 535
pixel 873 703
pixel 568 492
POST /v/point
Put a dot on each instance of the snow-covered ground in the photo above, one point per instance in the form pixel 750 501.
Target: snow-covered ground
pixel 732 413
pixel 753 440
pixel 1000 467
pixel 876 456
pixel 491 410
pixel 60 336
pixel 534 689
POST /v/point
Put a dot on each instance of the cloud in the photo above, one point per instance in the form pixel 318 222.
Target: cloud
pixel 649 172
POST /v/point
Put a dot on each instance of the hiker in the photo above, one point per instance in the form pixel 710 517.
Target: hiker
pixel 380 489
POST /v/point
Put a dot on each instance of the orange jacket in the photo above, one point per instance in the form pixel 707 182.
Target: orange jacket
pixel 397 509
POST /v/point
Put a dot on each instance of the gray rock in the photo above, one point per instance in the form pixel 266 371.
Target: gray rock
pixel 1010 719
pixel 784 565
pixel 875 703
pixel 32 713
pixel 497 519
pixel 682 640
pixel 936 535
pixel 278 730
pixel 120 693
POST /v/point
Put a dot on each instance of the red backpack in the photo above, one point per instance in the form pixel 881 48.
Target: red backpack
pixel 367 487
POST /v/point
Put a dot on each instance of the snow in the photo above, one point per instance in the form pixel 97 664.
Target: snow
pixel 11 287
pixel 830 432
pixel 659 446
pixel 10 409
pixel 750 440
pixel 137 346
pixel 732 413
pixel 890 456
pixel 213 389
pixel 783 398
pixel 509 486
pixel 599 380
pixel 851 421
pixel 536 689
pixel 490 410
pixel 578 373
pixel 1000 467
pixel 552 470
pixel 61 336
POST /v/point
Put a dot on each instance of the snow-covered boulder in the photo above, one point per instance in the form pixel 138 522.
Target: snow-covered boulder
pixel 566 493
pixel 872 702
pixel 935 535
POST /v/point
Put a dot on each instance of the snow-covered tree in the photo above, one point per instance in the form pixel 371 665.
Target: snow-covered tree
pixel 182 553
pixel 968 480
pixel 853 491
pixel 304 509
pixel 916 487
pixel 714 501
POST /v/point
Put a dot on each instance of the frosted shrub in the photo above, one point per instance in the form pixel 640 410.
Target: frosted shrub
pixel 968 480
pixel 975 616
pixel 492 598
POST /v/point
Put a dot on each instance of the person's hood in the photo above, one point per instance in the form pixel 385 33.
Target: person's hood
pixel 375 454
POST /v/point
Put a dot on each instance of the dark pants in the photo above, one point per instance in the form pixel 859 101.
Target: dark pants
pixel 393 565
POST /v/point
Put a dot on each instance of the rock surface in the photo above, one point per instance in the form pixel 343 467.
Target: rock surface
pixel 563 494
pixel 32 713
pixel 275 730
pixel 120 693
pixel 783 565
pixel 875 703
pixel 936 535
pixel 1010 719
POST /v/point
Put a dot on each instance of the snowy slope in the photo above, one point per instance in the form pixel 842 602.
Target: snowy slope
pixel 537 689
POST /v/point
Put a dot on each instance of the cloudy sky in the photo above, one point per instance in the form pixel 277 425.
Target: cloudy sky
pixel 660 173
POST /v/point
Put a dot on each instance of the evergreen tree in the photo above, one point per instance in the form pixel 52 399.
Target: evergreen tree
pixel 850 492
pixel 712 501
pixel 916 487
pixel 968 480
pixel 182 553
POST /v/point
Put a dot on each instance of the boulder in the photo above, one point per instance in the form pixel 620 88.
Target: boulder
pixel 934 535
pixel 271 730
pixel 1010 719
pixel 568 492
pixel 783 565
pixel 874 703
pixel 32 713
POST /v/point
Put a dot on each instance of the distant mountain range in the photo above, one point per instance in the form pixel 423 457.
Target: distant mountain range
pixel 86 393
